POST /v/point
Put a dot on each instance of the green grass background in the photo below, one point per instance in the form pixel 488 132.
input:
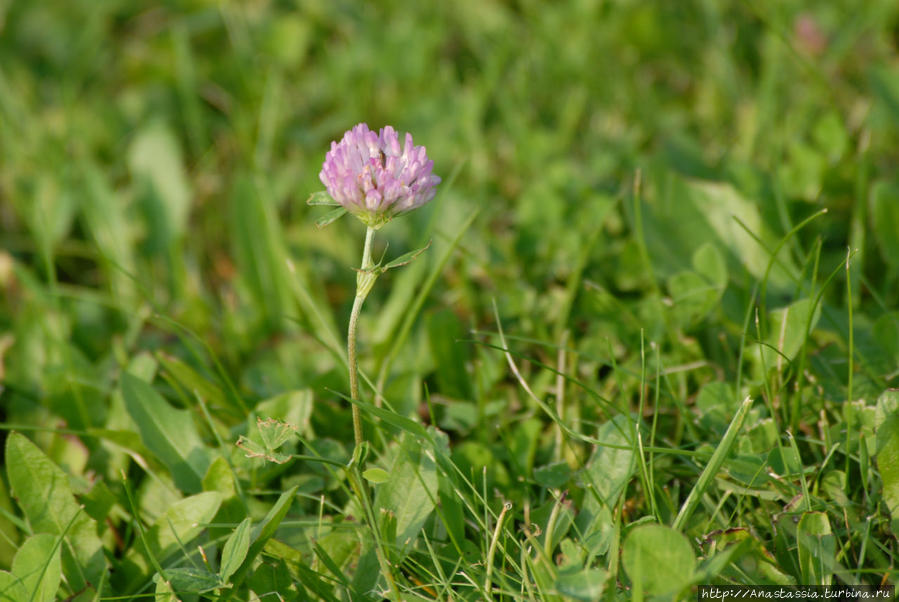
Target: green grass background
pixel 658 208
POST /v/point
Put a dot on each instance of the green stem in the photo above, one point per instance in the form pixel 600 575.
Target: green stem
pixel 364 281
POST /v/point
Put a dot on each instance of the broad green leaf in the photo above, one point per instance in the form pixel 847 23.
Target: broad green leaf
pixel 887 433
pixel 46 498
pixel 802 172
pixel 658 560
pixel 333 550
pixel 274 576
pixel 554 519
pixel 714 564
pixel 164 591
pixel 695 293
pixel 817 548
pixel 9 535
pixel 154 159
pixel 787 331
pixel 99 501
pixel 709 263
pixel 833 487
pixel 181 523
pixel 585 584
pixel 716 404
pixel 691 213
pixel 884 201
pixel 188 580
pixel 292 407
pixel 739 549
pixel 410 492
pixel 178 526
pixel 376 475
pixel 720 204
pixel 692 296
pixel 830 136
pixel 607 472
pixel 552 475
pixel 11 588
pixel 168 432
pixel 476 460
pixel 235 550
pixel 220 477
pixel 37 564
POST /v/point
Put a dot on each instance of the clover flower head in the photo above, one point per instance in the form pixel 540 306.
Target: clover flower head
pixel 376 179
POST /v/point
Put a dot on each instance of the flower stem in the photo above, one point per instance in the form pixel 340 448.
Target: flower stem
pixel 365 278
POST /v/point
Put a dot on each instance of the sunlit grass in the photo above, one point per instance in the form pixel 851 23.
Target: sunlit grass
pixel 650 213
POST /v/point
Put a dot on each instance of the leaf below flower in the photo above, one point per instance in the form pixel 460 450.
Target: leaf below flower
pixel 405 258
pixel 321 198
pixel 330 217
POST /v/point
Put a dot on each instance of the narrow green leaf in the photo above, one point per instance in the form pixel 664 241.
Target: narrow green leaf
pixel 714 465
pixel 330 217
pixel 261 534
pixel 392 418
pixel 321 198
pixel 235 550
pixel 406 258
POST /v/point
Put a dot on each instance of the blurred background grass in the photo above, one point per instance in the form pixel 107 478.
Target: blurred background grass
pixel 154 160
pixel 161 152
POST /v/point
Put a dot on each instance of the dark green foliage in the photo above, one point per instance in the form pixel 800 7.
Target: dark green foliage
pixel 638 189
